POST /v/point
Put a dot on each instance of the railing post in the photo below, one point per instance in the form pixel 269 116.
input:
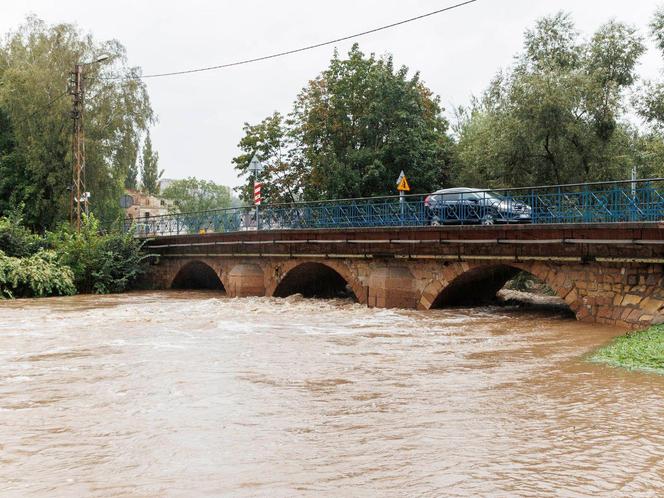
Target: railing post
pixel 559 202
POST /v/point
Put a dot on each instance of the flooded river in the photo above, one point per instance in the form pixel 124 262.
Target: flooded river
pixel 192 394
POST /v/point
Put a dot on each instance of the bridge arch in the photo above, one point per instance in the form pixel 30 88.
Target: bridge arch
pixel 316 279
pixel 473 284
pixel 197 274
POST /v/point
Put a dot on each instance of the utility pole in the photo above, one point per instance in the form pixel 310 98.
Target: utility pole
pixel 78 193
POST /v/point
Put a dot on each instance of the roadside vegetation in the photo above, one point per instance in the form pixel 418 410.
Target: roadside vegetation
pixel 642 350
pixel 64 262
pixel 570 108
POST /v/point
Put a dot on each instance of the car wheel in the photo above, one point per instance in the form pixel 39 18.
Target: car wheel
pixel 435 222
pixel 487 219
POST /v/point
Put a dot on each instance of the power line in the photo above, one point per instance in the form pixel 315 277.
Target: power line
pixel 304 49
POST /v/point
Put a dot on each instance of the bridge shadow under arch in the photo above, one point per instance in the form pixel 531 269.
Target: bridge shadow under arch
pixel 476 286
pixel 480 285
pixel 197 275
pixel 316 280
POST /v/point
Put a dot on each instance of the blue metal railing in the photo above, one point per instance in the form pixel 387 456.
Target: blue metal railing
pixel 600 202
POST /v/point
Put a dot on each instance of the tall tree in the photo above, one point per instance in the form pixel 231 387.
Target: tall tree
pixel 557 115
pixel 362 121
pixel 35 62
pixel 350 133
pixel 150 173
pixel 131 181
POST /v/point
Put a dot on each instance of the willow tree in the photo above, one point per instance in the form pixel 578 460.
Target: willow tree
pixel 649 104
pixel 35 120
pixel 557 115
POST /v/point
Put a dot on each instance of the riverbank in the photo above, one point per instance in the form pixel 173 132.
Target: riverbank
pixel 642 350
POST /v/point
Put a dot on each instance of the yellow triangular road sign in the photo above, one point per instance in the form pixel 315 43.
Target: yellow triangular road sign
pixel 403 185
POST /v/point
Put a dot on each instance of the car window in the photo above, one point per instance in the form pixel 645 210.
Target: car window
pixel 495 197
pixel 450 196
pixel 483 196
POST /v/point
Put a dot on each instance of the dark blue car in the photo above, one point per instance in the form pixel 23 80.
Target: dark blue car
pixel 467 205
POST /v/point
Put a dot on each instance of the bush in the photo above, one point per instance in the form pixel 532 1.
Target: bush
pixel 15 239
pixel 102 263
pixel 35 276
pixel 120 263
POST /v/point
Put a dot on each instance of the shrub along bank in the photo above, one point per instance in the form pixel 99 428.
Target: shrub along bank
pixel 34 276
pixel 643 350
pixel 65 262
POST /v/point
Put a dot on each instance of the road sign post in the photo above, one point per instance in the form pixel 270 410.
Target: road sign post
pixel 255 166
pixel 257 202
pixel 402 187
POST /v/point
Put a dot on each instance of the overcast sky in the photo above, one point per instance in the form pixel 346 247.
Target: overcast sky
pixel 201 115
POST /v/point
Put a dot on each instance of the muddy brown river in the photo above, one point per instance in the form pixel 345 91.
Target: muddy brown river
pixel 192 394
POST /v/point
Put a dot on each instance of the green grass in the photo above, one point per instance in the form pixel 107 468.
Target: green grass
pixel 643 350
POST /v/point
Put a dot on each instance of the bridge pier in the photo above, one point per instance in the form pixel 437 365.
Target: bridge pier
pixel 246 280
pixel 392 287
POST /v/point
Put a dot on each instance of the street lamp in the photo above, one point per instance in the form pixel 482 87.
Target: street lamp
pixel 101 58
pixel 78 194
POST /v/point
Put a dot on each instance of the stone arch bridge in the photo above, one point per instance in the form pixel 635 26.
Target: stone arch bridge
pixel 606 273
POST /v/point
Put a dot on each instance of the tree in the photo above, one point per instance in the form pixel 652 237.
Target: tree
pixel 281 176
pixel 150 173
pixel 191 195
pixel 350 133
pixel 556 115
pixel 650 101
pixel 649 104
pixel 35 121
pixel 131 181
